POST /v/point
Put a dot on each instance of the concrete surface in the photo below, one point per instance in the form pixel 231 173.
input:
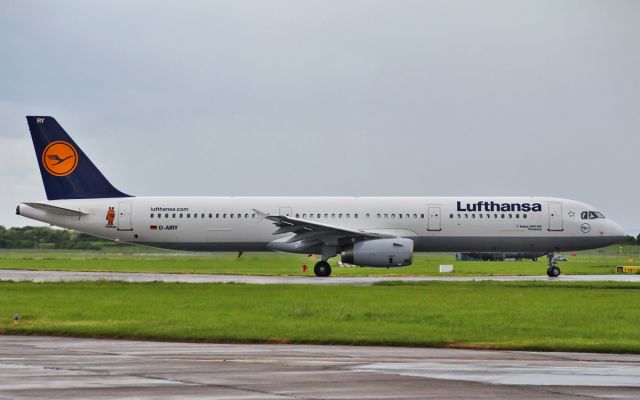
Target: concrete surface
pixel 69 368
pixel 66 276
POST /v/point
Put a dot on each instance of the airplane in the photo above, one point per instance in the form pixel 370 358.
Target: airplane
pixel 379 232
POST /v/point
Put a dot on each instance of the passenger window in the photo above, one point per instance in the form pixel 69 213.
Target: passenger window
pixel 422 216
pixel 502 216
pixel 378 215
pixel 230 215
pixel 393 216
pixel 246 215
pixel 367 215
pixel 297 215
pixel 488 215
pixel 217 215
pixel 355 216
pixel 173 215
pixel 517 215
pixel 224 215
pixel 339 215
pixel 400 216
pixel 416 215
pixel 253 215
pixel 459 216
pixel 386 216
pixel 151 215
pixel 326 216
pixel 466 216
pixel 189 215
pixel 495 215
pixel 450 215
pixel 195 215
pixel 510 216
pixel 304 215
pixel 333 215
pixel 180 215
pixel 473 216
pixel 524 215
pixel 166 215
pixel 210 215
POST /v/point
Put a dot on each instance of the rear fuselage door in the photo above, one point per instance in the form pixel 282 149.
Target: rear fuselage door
pixel 555 216
pixel 124 216
pixel 434 219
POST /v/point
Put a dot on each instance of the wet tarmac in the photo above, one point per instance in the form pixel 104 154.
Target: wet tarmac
pixel 70 368
pixel 67 276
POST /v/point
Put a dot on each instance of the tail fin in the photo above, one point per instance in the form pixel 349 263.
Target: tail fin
pixel 67 173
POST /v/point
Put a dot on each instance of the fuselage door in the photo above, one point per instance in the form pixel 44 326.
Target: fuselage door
pixel 285 211
pixel 124 216
pixel 434 219
pixel 555 216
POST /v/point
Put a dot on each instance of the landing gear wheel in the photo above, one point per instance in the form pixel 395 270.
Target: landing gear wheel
pixel 553 272
pixel 322 269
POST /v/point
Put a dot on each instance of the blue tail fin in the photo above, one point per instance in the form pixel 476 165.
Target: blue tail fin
pixel 67 173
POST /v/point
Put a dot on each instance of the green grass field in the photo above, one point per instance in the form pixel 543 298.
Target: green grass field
pixel 601 317
pixel 138 259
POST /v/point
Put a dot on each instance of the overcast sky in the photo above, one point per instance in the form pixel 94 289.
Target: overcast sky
pixel 330 98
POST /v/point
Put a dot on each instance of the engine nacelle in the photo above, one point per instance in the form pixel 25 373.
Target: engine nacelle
pixel 382 253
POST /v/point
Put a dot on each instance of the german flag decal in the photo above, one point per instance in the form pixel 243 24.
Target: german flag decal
pixel 153 228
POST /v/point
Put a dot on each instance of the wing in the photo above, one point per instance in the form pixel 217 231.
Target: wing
pixel 311 233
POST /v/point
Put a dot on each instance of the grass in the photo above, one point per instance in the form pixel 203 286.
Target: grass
pixel 589 262
pixel 600 317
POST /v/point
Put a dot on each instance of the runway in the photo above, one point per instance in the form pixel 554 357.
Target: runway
pixel 68 276
pixel 69 368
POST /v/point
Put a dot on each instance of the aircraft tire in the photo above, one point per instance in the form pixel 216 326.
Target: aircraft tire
pixel 553 272
pixel 322 269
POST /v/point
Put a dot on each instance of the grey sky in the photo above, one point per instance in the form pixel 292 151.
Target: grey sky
pixel 330 98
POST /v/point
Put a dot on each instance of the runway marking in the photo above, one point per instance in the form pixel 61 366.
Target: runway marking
pixel 514 373
pixel 74 276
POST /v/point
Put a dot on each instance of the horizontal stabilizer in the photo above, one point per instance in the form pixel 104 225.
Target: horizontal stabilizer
pixel 55 209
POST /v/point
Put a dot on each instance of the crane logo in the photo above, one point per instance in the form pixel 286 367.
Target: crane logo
pixel 60 158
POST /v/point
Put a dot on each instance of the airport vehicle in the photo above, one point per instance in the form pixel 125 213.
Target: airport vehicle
pixel 364 231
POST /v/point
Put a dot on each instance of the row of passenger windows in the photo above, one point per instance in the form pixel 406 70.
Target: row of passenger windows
pixel 298 215
pixel 347 215
pixel 203 215
pixel 487 215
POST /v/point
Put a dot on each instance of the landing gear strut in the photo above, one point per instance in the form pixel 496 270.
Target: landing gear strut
pixel 322 269
pixel 553 271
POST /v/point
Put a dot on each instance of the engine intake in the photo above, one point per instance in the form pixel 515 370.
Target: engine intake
pixel 381 253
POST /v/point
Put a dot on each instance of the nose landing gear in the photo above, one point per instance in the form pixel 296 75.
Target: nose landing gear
pixel 553 271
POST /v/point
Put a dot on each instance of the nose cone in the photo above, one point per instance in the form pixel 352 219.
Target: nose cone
pixel 615 231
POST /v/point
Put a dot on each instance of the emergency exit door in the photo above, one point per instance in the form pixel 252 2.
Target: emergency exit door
pixel 434 219
pixel 124 216
pixel 555 216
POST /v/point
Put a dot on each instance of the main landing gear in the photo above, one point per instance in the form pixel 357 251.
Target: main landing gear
pixel 322 269
pixel 553 271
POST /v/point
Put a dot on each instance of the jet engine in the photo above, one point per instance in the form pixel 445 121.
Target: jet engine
pixel 383 253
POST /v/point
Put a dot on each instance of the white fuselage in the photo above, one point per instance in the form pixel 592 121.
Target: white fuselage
pixel 433 223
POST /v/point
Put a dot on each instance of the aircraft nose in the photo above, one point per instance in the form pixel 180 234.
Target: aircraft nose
pixel 615 230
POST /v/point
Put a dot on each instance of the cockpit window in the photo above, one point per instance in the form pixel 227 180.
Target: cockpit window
pixel 591 215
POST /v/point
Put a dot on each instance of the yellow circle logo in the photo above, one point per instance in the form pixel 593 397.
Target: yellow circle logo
pixel 60 158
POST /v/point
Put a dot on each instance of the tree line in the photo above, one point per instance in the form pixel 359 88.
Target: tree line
pixel 44 237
